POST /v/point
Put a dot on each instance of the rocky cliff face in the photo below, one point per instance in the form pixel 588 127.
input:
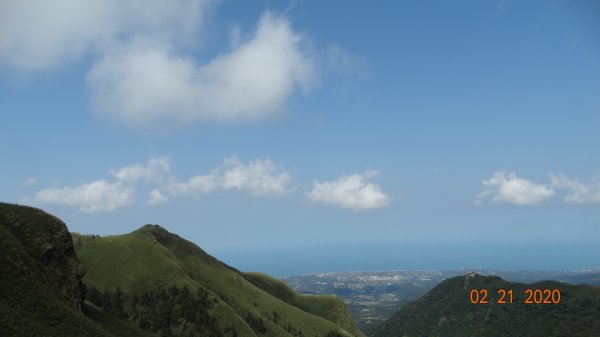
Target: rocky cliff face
pixel 48 242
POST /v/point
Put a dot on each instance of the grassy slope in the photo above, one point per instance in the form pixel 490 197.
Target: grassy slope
pixel 329 307
pixel 109 263
pixel 30 304
pixel 446 311
pixel 151 256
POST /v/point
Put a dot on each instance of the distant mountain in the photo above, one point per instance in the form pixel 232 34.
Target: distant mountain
pixel 447 310
pixel 592 278
pixel 146 283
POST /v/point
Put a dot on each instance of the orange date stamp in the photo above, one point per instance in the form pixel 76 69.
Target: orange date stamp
pixel 532 296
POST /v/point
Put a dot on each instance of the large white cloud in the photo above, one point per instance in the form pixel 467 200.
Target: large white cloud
pixel 144 82
pixel 96 196
pixel 143 69
pixel 40 35
pixel 508 188
pixel 259 177
pixel 578 192
pixel 352 192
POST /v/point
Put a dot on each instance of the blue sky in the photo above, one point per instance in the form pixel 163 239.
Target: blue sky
pixel 292 137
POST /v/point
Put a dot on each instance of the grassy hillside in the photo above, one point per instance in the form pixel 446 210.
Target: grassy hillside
pixel 40 292
pixel 153 261
pixel 329 307
pixel 447 311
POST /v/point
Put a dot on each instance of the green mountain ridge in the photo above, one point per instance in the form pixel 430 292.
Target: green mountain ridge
pixel 145 283
pixel 151 257
pixel 447 311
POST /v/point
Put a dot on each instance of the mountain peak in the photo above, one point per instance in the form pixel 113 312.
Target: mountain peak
pixel 154 230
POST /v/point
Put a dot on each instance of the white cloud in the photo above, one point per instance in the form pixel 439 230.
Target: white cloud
pixel 156 197
pixel 102 195
pixel 172 188
pixel 41 35
pixel 96 196
pixel 351 192
pixel 153 171
pixel 143 71
pixel 144 83
pixel 343 61
pixel 508 188
pixel 259 177
pixel 578 192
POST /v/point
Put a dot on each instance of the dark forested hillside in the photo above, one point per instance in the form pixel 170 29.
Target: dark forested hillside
pixel 447 310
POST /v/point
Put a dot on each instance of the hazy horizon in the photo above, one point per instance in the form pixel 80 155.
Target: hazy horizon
pixel 386 259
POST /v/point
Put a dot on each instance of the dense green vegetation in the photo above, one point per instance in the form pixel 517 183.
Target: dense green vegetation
pixel 145 283
pixel 40 293
pixel 161 311
pixel 447 311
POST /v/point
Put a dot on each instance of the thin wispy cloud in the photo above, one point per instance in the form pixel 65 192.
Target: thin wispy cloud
pixel 199 184
pixel 353 192
pixel 345 62
pixel 103 195
pixel 577 192
pixel 259 177
pixel 31 181
pixel 153 171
